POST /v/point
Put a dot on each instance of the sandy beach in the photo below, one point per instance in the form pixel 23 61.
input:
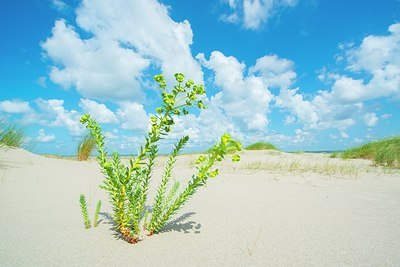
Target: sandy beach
pixel 270 209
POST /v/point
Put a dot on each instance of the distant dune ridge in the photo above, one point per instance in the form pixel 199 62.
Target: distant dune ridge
pixel 271 209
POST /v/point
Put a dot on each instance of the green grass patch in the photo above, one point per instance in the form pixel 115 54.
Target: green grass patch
pixel 11 135
pixel 384 152
pixel 261 146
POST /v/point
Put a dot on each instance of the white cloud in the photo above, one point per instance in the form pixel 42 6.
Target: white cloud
pixel 289 120
pixel 128 37
pixel 244 99
pixel 357 140
pixel 295 103
pixel 43 138
pixel 344 135
pixel 254 13
pixel 42 81
pixel 348 89
pixel 342 106
pixel 15 106
pixel 370 119
pixel 98 67
pixel 232 3
pixel 59 5
pixel 132 116
pixel 232 18
pixel 98 111
pixel 276 71
pixel 301 136
pixel 379 57
pixel 333 137
pixel 53 114
pixel 111 135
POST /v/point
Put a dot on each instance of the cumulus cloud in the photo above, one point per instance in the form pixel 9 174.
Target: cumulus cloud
pixel 129 36
pixel 304 110
pixel 245 99
pixel 277 72
pixel 342 106
pixel 254 13
pixel 53 114
pixel 97 68
pixel 98 111
pixel 133 116
pixel 370 119
pixel 15 106
pixel 379 58
pixel 44 138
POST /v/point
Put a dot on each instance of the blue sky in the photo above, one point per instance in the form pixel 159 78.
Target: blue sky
pixel 302 74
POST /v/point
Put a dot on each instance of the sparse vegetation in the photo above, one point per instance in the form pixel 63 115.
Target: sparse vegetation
pixel 84 210
pixel 128 185
pixel 85 214
pixel 261 146
pixel 384 152
pixel 86 147
pixel 327 168
pixel 11 135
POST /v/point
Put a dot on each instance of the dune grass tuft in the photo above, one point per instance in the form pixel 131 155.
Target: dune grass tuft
pixel 86 147
pixel 261 146
pixel 385 152
pixel 11 135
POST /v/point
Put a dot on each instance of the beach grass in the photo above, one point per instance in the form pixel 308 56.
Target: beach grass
pixel 326 168
pixel 86 147
pixel 385 152
pixel 261 146
pixel 11 135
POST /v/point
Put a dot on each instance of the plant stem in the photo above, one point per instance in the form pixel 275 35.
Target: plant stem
pixel 85 215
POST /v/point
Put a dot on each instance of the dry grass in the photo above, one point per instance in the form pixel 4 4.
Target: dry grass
pixel 305 163
pixel 86 147
pixel 297 166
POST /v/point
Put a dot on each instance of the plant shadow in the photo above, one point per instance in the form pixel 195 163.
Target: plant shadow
pixel 181 225
pixel 108 219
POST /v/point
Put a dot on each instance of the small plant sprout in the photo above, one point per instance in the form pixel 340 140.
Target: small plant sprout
pixel 84 210
pixel 96 214
pixel 128 185
pixel 85 214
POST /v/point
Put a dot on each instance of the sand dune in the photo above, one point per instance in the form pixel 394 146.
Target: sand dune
pixel 271 209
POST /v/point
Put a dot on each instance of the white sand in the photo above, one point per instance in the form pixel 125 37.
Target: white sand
pixel 251 215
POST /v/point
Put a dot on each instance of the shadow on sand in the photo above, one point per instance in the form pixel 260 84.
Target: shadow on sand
pixel 179 224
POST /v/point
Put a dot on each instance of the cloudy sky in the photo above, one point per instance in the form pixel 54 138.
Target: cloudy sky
pixel 302 74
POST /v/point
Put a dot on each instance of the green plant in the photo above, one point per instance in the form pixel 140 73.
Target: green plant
pixel 261 146
pixel 86 147
pixel 85 214
pixel 384 152
pixel 11 135
pixel 128 185
pixel 84 210
pixel 96 214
